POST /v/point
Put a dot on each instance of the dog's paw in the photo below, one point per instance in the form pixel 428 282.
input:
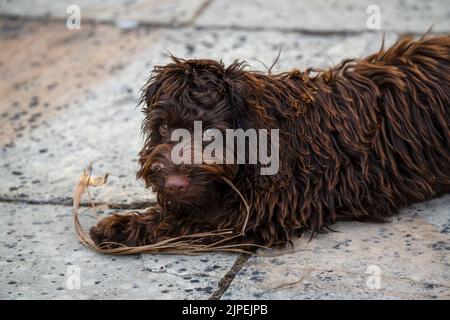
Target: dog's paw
pixel 112 232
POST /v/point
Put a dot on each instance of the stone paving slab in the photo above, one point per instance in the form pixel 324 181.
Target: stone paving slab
pixel 155 12
pixel 47 68
pixel 69 97
pixel 412 253
pixel 103 130
pixel 40 256
pixel 90 116
pixel 45 165
pixel 103 124
pixel 260 48
pixel 327 16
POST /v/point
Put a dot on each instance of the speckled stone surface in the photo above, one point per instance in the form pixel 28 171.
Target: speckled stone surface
pixel 102 127
pixel 411 254
pixel 260 49
pixel 40 254
pixel 327 15
pixel 70 96
pixel 158 12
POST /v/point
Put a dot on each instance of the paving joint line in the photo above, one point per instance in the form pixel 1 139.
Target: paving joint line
pixel 199 12
pixel 191 24
pixel 229 277
pixel 68 202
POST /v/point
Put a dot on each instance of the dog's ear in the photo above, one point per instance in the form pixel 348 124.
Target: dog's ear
pixel 237 86
pixel 246 97
pixel 158 74
pixel 149 89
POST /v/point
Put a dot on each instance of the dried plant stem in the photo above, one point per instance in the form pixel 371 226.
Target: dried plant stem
pixel 187 244
pixel 247 207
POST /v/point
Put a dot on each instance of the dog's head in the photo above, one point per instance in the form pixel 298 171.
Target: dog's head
pixel 176 96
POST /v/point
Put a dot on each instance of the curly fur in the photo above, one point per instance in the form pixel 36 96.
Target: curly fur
pixel 357 141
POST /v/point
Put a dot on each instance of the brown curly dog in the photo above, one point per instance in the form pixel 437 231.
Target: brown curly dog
pixel 357 141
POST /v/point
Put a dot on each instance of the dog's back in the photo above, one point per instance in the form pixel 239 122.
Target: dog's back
pixel 359 140
pixel 383 139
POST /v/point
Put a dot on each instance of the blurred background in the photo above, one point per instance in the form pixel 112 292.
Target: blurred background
pixel 71 74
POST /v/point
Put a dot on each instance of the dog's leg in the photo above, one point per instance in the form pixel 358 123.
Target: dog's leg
pixel 148 228
pixel 133 229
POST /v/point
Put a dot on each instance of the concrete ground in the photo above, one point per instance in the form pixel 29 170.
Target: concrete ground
pixel 69 97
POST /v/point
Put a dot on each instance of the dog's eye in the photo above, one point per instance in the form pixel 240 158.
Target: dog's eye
pixel 156 167
pixel 163 129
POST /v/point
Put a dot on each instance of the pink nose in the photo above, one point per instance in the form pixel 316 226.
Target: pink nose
pixel 177 183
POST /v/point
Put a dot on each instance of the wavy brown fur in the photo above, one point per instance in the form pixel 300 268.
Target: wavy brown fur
pixel 357 141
